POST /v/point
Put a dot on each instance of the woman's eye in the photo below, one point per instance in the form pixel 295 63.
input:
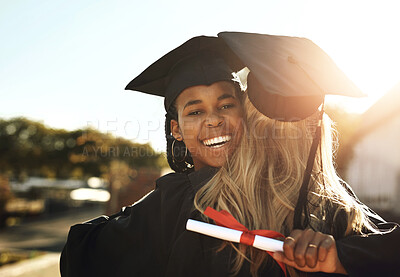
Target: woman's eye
pixel 227 106
pixel 194 113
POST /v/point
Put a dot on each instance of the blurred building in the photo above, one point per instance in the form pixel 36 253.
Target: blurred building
pixel 374 170
pixel 37 196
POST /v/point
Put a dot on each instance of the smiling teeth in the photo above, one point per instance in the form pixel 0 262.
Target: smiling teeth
pixel 216 140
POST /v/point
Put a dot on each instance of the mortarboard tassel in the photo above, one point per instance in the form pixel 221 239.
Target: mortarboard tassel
pixel 302 203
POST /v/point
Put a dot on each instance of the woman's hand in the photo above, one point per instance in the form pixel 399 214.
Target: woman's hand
pixel 310 251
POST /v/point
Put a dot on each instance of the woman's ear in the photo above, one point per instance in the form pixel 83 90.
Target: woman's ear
pixel 176 133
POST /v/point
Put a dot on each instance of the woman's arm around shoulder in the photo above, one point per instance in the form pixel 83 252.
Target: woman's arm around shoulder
pixel 127 243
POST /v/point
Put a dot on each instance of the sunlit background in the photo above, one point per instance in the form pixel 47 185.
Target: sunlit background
pixel 74 144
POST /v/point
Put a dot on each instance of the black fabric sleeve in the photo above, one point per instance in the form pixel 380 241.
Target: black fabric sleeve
pixel 125 245
pixel 73 256
pixel 372 254
pixel 134 242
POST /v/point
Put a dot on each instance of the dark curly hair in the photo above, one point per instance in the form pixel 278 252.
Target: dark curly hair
pixel 179 162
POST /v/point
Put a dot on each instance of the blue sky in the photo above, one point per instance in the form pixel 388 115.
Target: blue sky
pixel 66 63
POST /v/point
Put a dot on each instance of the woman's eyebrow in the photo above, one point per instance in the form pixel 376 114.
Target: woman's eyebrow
pixel 225 96
pixel 192 102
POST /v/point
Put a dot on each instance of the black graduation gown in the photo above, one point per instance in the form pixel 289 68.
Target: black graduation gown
pixel 150 239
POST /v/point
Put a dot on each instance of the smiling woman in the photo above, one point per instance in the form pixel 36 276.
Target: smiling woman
pixel 202 100
pixel 209 121
pixel 203 126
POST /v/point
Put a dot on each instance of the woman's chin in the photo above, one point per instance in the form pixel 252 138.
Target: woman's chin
pixel 215 156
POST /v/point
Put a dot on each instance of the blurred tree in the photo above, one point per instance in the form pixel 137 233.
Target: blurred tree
pixel 28 148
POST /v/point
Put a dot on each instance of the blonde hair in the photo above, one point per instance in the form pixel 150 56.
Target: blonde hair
pixel 260 183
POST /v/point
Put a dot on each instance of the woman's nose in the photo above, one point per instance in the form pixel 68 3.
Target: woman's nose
pixel 214 120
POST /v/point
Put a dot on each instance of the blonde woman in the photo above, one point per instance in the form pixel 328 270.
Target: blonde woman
pixel 260 184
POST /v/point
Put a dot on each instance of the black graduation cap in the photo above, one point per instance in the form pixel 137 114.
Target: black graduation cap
pixel 289 76
pixel 201 60
pixel 288 80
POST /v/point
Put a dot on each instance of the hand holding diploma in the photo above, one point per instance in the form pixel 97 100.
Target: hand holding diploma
pixel 310 251
pixel 305 250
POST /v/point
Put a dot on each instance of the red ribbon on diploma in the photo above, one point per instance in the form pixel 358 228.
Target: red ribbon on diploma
pixel 225 219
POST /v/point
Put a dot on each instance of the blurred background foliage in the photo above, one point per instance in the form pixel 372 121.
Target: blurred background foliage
pixel 28 148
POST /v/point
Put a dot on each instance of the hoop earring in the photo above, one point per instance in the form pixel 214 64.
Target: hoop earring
pixel 173 156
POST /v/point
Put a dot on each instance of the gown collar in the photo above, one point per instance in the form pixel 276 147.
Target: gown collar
pixel 202 176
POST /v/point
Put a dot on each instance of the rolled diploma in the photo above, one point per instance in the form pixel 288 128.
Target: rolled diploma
pixel 228 234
